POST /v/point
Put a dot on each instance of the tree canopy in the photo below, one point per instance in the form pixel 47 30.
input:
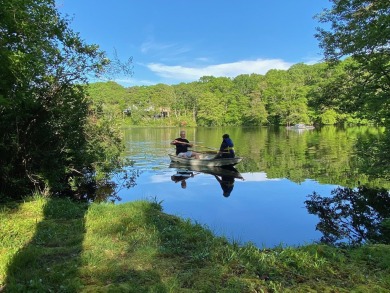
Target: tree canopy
pixel 46 129
pixel 361 29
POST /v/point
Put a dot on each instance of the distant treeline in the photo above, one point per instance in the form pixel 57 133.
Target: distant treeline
pixel 311 94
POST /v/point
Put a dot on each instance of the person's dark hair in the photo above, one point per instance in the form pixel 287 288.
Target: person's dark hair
pixel 225 135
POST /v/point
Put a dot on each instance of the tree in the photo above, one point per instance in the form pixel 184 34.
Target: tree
pixel 109 97
pixel 211 111
pixel 329 117
pixel 46 132
pixel 256 113
pixel 186 103
pixel 162 96
pixel 251 98
pixel 247 84
pixel 234 109
pixel 287 103
pixel 361 29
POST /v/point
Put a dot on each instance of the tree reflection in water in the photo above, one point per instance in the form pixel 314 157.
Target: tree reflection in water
pixel 352 216
pixel 107 189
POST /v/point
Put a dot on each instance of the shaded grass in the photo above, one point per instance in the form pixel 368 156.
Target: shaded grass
pixel 60 246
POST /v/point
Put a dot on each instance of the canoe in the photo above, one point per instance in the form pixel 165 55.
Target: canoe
pixel 226 171
pixel 206 160
pixel 182 174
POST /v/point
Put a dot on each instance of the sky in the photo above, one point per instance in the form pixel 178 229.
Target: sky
pixel 174 41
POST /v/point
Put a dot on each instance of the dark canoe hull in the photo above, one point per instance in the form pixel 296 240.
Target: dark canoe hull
pixel 206 160
pixel 228 171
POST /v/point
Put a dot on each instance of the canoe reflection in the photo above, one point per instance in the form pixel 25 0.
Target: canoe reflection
pixel 181 176
pixel 225 175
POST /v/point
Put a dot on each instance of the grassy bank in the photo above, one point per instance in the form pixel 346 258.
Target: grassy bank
pixel 60 246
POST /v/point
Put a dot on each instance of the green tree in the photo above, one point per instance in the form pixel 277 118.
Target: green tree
pixel 110 98
pixel 186 100
pixel 234 109
pixel 162 96
pixel 251 99
pixel 211 111
pixel 256 114
pixel 247 84
pixel 361 29
pixel 213 104
pixel 45 133
pixel 329 117
pixel 287 101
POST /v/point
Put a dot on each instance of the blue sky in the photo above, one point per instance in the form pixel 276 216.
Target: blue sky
pixel 173 41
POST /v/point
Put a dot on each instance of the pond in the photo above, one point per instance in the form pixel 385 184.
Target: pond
pixel 266 202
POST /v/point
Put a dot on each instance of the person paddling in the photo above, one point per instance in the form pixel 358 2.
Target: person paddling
pixel 182 144
pixel 227 147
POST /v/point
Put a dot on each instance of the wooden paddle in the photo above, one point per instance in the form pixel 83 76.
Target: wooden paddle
pixel 205 152
pixel 202 146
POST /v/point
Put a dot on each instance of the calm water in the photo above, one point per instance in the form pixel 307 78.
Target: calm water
pixel 266 206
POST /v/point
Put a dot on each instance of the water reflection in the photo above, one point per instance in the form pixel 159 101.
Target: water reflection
pixel 227 184
pixel 108 188
pixel 280 168
pixel 181 176
pixel 352 215
pixel 224 175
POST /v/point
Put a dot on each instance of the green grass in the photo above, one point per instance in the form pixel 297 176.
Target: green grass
pixel 57 245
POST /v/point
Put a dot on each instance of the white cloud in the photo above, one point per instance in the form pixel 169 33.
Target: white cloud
pixel 160 178
pixel 148 46
pixel 260 176
pixel 165 49
pixel 259 66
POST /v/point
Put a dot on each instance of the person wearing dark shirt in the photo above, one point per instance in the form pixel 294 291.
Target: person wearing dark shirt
pixel 182 144
pixel 227 147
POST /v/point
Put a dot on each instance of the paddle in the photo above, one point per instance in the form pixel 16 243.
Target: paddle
pixel 204 152
pixel 212 149
pixel 202 146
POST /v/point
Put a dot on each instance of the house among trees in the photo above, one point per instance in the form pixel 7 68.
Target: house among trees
pixel 163 112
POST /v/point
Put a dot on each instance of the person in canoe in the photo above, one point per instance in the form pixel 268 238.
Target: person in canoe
pixel 227 147
pixel 182 144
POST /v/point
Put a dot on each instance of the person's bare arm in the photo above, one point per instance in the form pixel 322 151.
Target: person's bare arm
pixel 182 142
